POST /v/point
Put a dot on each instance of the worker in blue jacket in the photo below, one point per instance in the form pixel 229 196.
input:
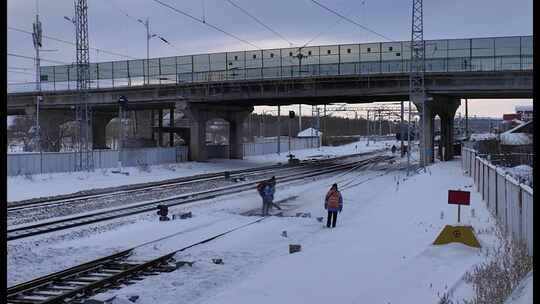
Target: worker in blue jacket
pixel 266 190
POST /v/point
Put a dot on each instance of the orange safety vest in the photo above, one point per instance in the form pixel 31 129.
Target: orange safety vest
pixel 332 199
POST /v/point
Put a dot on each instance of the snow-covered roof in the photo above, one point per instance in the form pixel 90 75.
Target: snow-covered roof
pixel 524 108
pixel 309 132
pixel 482 136
pixel 516 139
pixel 523 173
pixel 519 127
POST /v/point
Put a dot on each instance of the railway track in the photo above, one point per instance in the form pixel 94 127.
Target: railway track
pixel 145 188
pixel 138 208
pixel 75 284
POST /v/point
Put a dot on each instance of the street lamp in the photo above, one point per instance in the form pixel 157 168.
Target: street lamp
pixel 149 36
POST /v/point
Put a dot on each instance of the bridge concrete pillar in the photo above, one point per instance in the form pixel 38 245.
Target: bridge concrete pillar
pixel 428 135
pixel 52 132
pixel 143 124
pixel 446 107
pixel 197 135
pixel 99 127
pixel 236 134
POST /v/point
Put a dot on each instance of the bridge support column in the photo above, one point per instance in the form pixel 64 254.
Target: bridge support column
pixel 99 127
pixel 446 107
pixel 197 135
pixel 143 126
pixel 50 122
pixel 236 145
pixel 171 125
pixel 428 134
pixel 160 125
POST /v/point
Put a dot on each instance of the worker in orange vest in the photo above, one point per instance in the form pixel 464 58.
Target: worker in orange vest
pixel 334 204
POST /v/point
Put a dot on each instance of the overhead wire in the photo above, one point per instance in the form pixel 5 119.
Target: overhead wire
pixel 350 20
pixel 33 58
pixel 69 42
pixel 139 21
pixel 259 21
pixel 205 23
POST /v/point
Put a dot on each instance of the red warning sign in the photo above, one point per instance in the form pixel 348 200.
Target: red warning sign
pixel 458 197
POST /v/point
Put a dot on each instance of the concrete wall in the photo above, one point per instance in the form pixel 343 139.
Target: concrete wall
pixel 270 146
pixel 51 162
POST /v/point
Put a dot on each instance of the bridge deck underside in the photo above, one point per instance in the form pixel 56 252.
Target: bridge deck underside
pixel 316 90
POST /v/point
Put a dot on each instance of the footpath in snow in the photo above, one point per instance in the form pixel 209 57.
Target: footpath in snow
pixel 22 187
pixel 380 252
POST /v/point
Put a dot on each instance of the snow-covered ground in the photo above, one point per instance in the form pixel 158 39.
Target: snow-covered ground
pixel 380 252
pixel 21 187
pixel 523 293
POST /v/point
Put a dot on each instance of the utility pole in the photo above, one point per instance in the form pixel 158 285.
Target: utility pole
pixel 324 135
pixel 260 126
pixel 409 140
pixel 466 118
pixel 299 117
pixel 367 128
pixel 36 35
pixel 416 75
pixel 146 24
pixel 319 127
pixel 279 130
pixel 401 129
pixel 380 123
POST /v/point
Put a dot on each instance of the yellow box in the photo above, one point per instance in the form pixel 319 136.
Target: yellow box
pixel 457 234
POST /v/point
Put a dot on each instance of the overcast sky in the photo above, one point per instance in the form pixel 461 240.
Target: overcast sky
pixel 298 21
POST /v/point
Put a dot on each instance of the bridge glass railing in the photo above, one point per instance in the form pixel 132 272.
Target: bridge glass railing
pixel 452 55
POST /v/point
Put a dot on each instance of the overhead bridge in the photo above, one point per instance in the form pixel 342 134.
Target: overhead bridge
pixel 228 85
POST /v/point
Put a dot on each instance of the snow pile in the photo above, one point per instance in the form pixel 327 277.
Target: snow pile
pixel 522 173
pixel 516 139
pixel 523 293
pixel 524 108
pixel 309 132
pixel 482 136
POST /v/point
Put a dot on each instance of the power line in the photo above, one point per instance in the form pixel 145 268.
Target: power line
pixel 69 42
pixel 140 21
pixel 259 21
pixel 33 58
pixel 205 23
pixel 350 20
pixel 122 11
pixel 326 29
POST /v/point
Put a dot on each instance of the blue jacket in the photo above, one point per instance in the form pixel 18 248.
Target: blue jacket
pixel 267 192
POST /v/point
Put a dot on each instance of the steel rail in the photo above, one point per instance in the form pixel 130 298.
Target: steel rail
pixel 121 190
pixel 35 291
pixel 81 220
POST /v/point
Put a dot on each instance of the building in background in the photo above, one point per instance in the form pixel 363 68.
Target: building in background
pixel 525 112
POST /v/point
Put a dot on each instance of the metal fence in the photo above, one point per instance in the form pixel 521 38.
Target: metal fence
pixel 507 199
pixel 51 162
pixel 445 55
pixel 269 146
